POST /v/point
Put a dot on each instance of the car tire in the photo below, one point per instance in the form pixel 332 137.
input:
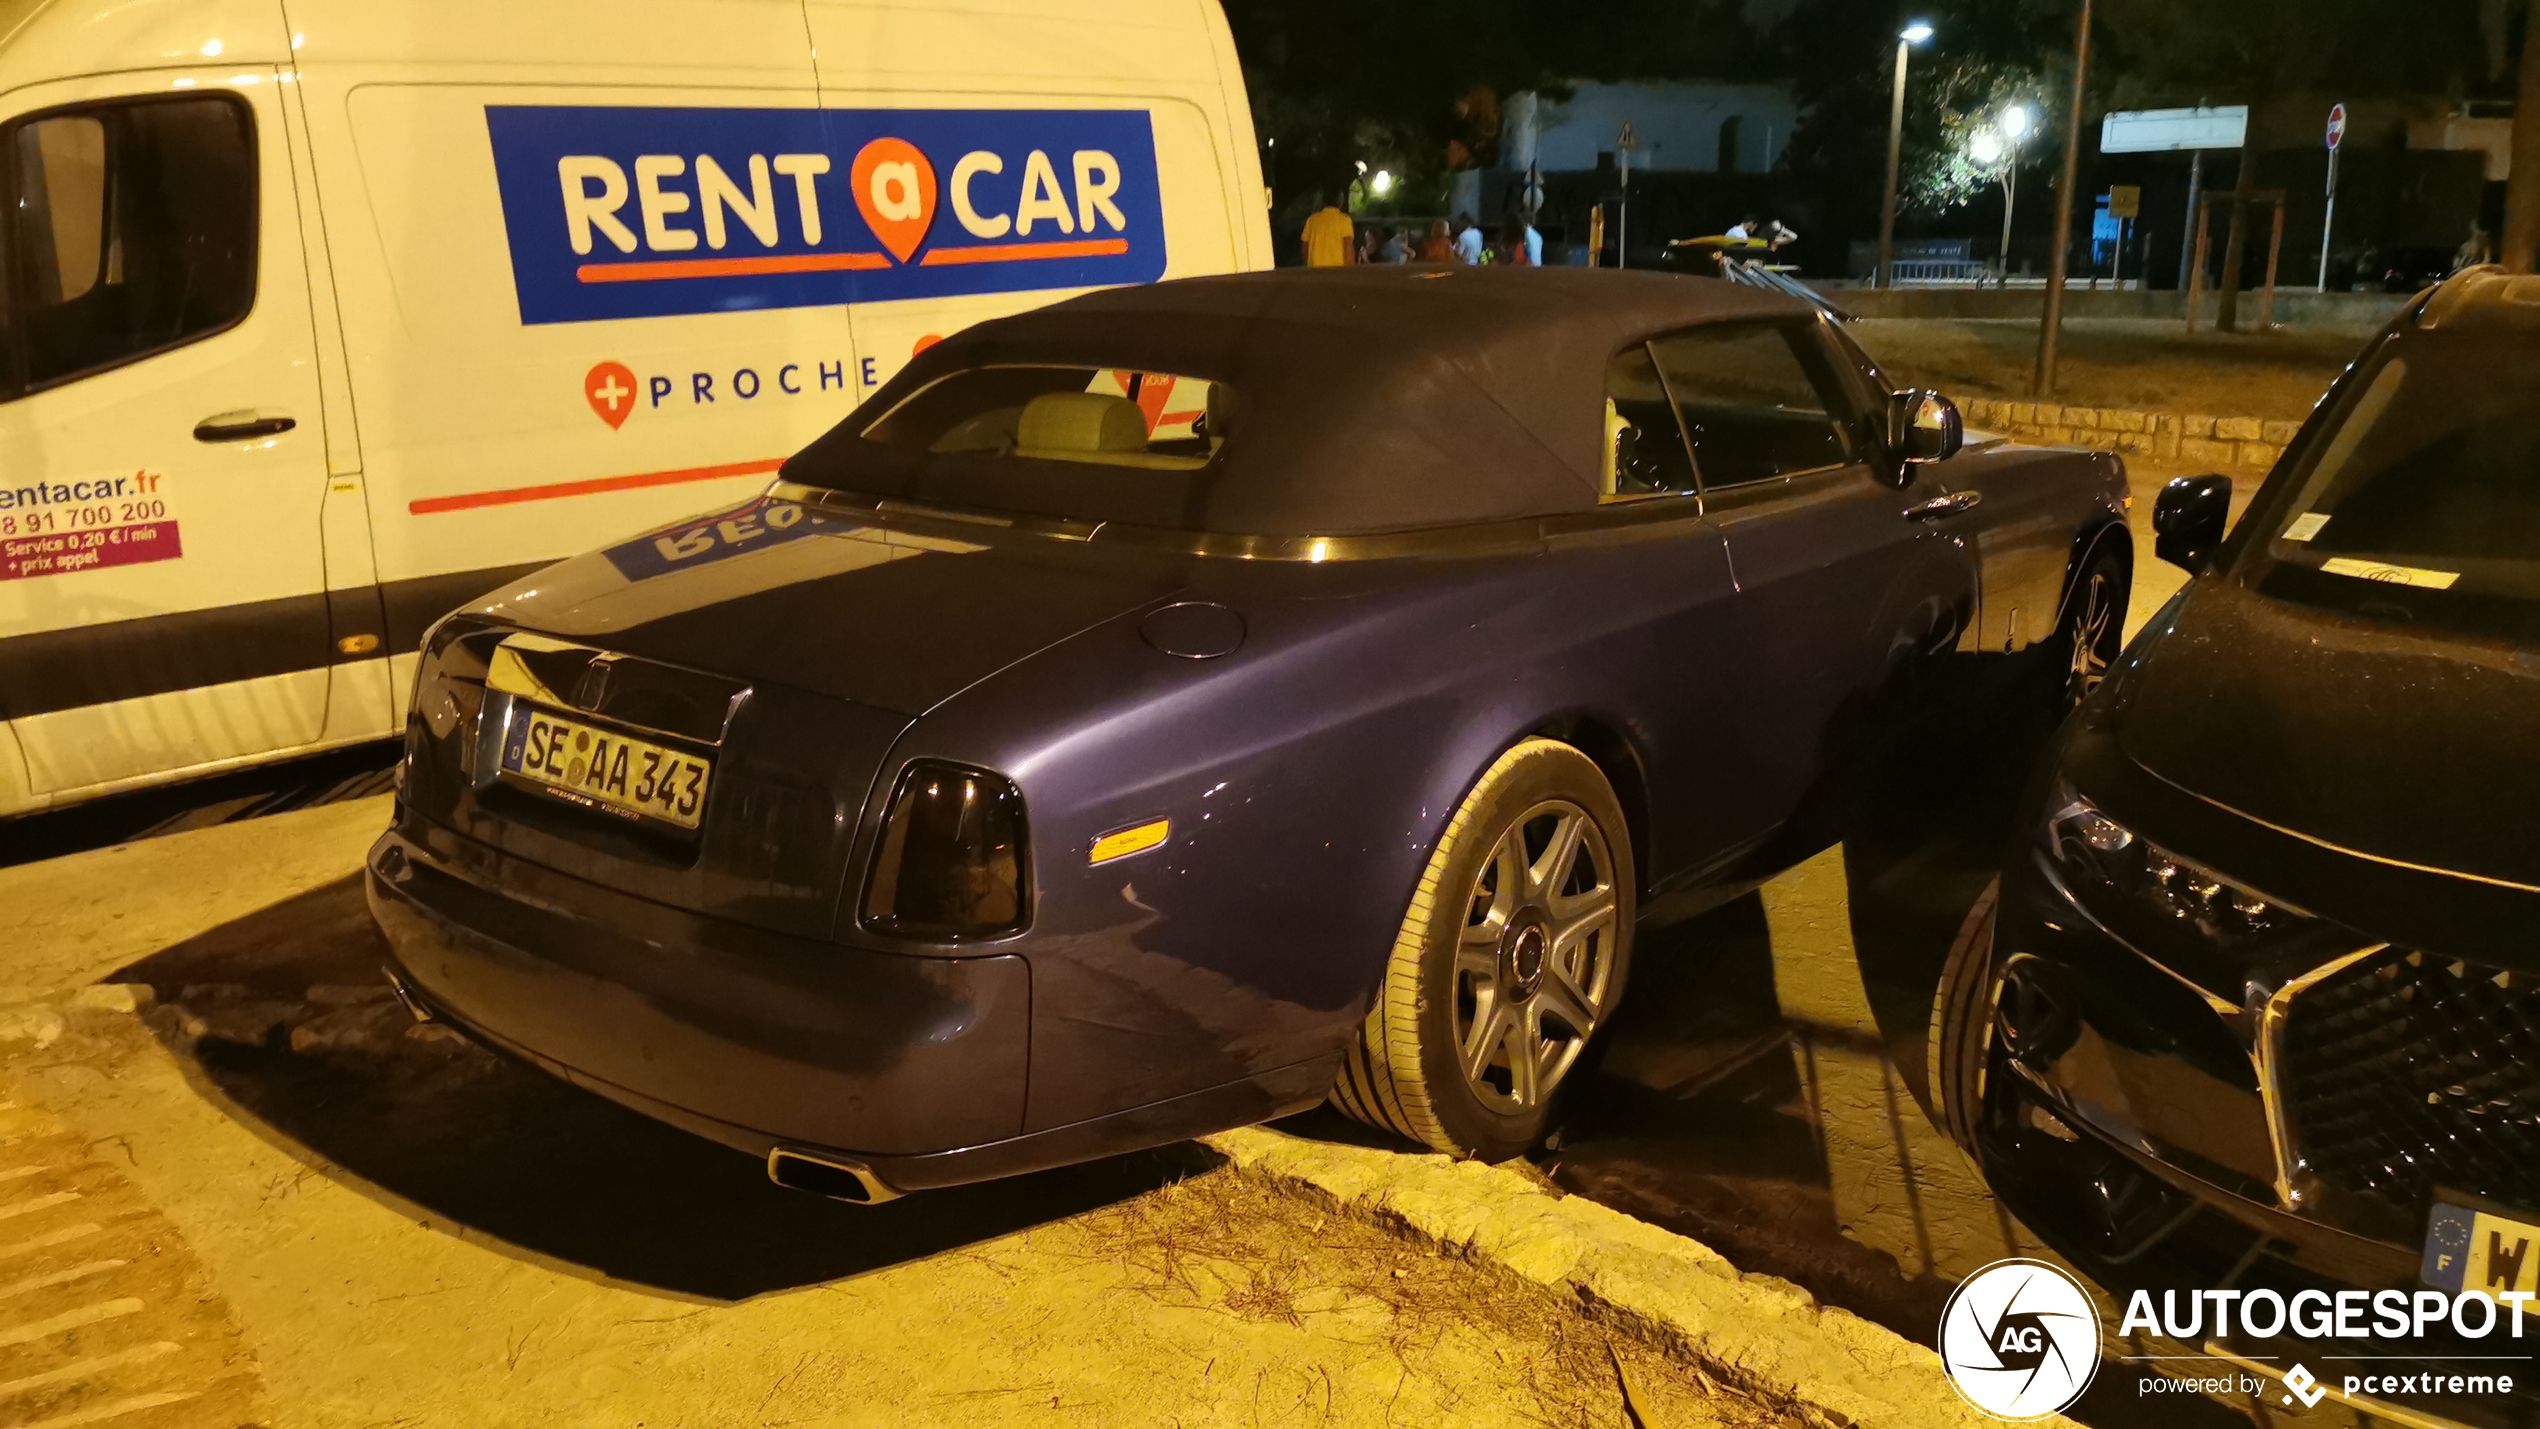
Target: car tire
pixel 2093 630
pixel 1510 958
pixel 1961 1016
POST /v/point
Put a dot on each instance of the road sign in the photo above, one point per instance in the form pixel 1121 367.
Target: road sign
pixel 2146 131
pixel 2125 201
pixel 2336 124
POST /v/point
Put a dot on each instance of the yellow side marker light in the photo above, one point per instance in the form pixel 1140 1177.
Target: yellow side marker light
pixel 1128 841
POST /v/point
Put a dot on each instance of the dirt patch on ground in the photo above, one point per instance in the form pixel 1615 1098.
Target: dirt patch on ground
pixel 1257 1251
pixel 2139 364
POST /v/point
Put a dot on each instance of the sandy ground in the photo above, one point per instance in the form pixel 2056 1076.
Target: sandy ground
pixel 235 1187
pixel 2140 364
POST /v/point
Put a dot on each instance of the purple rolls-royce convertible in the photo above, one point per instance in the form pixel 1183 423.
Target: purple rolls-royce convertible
pixel 1170 708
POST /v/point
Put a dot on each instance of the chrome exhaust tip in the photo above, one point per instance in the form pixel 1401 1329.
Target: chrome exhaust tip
pixel 405 994
pixel 839 1178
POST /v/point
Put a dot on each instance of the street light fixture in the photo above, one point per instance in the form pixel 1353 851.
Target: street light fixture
pixel 1913 34
pixel 1381 183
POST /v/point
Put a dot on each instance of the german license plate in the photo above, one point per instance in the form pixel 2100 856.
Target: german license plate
pixel 605 769
pixel 2469 1249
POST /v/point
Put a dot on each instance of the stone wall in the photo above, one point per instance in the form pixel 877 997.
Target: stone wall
pixel 2354 312
pixel 2243 442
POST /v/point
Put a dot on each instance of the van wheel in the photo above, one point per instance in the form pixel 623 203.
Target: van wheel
pixel 1510 958
pixel 1961 1018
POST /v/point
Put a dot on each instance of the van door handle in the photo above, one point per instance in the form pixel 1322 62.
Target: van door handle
pixel 1939 507
pixel 241 426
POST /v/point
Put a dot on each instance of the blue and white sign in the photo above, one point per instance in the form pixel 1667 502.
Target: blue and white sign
pixel 650 212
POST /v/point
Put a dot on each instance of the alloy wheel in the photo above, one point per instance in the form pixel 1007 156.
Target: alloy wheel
pixel 1534 959
pixel 2090 656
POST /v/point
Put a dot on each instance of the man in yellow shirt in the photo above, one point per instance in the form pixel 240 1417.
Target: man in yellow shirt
pixel 1331 240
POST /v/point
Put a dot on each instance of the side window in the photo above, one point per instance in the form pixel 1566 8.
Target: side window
pixel 131 230
pixel 1644 448
pixel 1752 408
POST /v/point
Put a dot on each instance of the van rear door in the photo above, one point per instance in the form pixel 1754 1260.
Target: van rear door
pixel 162 575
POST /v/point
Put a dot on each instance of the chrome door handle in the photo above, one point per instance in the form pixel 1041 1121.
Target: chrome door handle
pixel 1941 506
pixel 241 427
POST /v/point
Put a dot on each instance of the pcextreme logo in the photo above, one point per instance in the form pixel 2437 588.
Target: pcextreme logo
pixel 615 212
pixel 2020 1339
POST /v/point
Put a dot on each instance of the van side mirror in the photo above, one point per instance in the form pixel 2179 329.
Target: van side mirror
pixel 2188 521
pixel 1922 427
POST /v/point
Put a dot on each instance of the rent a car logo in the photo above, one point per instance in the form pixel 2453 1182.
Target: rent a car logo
pixel 651 212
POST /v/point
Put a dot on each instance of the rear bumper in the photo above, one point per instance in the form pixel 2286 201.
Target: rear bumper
pixel 914 1067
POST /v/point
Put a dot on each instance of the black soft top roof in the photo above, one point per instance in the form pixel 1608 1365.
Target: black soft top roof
pixel 1365 399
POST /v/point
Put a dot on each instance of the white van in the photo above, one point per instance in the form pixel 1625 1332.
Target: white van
pixel 322 317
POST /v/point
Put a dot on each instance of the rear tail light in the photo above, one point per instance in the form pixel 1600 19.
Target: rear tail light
pixel 952 859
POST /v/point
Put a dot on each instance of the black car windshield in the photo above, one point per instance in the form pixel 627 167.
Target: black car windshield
pixel 2422 503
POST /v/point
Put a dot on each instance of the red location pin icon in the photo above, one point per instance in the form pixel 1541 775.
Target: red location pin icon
pixel 895 191
pixel 610 389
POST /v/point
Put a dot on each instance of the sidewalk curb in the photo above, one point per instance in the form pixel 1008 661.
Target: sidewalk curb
pixel 1759 1332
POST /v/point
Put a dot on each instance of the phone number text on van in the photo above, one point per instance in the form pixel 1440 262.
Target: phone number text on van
pixel 622 212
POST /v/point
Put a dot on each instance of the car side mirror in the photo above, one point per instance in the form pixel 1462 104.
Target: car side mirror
pixel 2188 521
pixel 1922 427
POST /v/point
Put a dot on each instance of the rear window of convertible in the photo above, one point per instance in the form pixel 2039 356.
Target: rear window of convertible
pixel 1094 416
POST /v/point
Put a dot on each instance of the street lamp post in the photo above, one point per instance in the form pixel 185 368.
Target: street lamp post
pixel 1913 34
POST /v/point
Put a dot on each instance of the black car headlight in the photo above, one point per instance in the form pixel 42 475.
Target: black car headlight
pixel 2150 896
pixel 952 859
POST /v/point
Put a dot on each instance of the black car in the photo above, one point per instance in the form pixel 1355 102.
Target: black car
pixel 2260 1004
pixel 1169 708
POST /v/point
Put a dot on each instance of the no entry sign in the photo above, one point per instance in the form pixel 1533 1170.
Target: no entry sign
pixel 2336 124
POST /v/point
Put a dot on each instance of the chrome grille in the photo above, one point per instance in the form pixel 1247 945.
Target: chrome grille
pixel 2410 1071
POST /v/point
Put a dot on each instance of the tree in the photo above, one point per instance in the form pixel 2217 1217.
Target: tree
pixel 2258 52
pixel 2249 51
pixel 1983 56
pixel 2522 185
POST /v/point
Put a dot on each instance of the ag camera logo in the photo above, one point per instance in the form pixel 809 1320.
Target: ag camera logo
pixel 2020 1339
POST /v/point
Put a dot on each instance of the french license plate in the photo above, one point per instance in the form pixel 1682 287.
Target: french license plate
pixel 2469 1249
pixel 605 769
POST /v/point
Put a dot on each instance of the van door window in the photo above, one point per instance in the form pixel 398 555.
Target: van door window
pixel 132 231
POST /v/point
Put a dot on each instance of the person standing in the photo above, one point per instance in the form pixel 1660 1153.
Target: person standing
pixel 1397 248
pixel 1468 239
pixel 1437 248
pixel 1513 239
pixel 1331 240
pixel 1534 243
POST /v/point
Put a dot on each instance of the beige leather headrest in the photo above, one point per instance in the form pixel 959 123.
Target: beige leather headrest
pixel 1081 422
